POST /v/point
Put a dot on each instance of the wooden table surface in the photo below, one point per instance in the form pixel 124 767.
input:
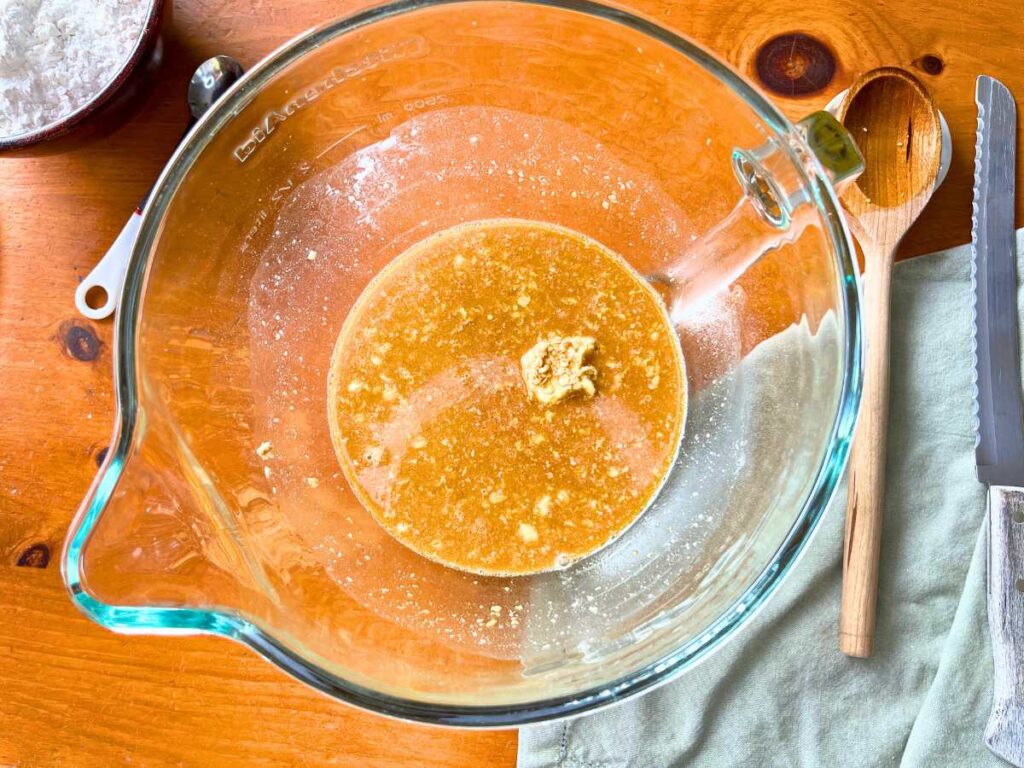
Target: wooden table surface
pixel 72 693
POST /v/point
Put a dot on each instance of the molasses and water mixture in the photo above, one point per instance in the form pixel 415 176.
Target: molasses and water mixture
pixel 507 397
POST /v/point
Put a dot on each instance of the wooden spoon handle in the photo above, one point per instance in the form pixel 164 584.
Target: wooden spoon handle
pixel 867 469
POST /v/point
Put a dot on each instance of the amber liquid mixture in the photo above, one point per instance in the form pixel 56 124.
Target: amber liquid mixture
pixel 507 397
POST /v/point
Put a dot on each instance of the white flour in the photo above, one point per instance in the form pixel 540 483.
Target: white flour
pixel 55 55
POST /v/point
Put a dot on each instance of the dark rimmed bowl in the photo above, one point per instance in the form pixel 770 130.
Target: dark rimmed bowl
pixel 145 55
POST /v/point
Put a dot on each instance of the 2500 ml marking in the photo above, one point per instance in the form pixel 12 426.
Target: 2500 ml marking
pixel 272 119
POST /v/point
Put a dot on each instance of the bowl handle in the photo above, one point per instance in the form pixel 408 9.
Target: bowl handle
pixel 773 183
pixel 775 208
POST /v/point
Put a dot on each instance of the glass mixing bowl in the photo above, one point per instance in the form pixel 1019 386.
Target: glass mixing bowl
pixel 221 507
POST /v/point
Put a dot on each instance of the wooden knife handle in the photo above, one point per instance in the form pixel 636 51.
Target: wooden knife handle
pixel 1004 733
pixel 866 495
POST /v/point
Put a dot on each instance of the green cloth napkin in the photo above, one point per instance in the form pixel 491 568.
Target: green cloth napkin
pixel 780 693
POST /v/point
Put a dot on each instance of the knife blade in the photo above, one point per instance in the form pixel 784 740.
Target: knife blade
pixel 1000 448
pixel 999 416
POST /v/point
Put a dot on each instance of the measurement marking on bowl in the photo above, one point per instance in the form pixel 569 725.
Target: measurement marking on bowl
pixel 302 168
pixel 313 91
pixel 416 105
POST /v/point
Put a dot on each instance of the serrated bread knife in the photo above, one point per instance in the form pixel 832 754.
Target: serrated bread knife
pixel 1000 416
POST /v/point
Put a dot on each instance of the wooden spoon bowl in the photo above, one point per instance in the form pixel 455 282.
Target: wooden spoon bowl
pixel 894 122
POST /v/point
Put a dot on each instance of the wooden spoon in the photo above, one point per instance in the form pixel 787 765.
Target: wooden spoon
pixel 893 120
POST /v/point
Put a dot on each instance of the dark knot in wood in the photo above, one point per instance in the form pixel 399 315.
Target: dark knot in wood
pixel 36 556
pixel 795 64
pixel 930 64
pixel 80 341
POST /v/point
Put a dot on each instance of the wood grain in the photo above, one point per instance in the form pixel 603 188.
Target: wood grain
pixel 76 695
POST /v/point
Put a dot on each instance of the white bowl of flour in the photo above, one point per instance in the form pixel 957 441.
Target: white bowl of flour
pixel 62 60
